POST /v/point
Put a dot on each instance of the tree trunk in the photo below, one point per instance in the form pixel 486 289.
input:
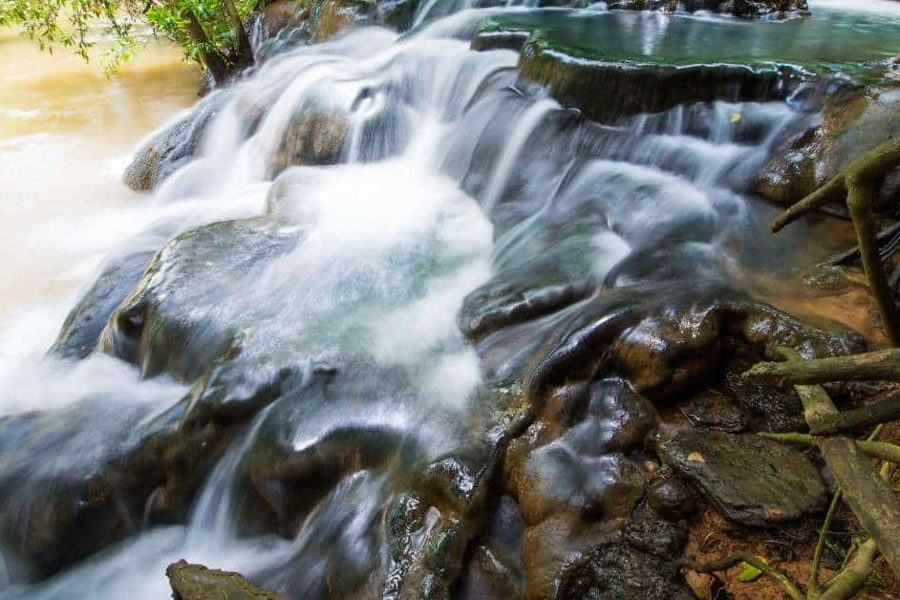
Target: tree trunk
pixel 212 59
pixel 245 48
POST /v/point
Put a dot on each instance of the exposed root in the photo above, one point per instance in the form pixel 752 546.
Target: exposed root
pixel 858 183
pixel 865 492
pixel 879 450
pixel 723 565
pixel 883 365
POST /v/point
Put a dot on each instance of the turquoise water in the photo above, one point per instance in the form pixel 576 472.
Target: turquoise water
pixel 830 39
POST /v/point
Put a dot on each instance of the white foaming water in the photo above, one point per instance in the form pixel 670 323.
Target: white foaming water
pixel 529 121
pixel 390 245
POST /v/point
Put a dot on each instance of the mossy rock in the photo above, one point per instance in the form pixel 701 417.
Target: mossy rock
pixel 197 582
pixel 608 89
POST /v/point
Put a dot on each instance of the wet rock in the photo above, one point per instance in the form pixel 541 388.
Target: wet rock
pixel 738 8
pixel 75 480
pixel 851 122
pixel 577 464
pixel 623 572
pixel 314 136
pixel 323 19
pixel 503 39
pixel 716 411
pixel 330 17
pixel 607 90
pixel 397 14
pixel 649 532
pixel 773 409
pixel 282 15
pixel 344 542
pixel 173 320
pixel 523 292
pixel 197 582
pixel 495 568
pixel 662 342
pixel 427 549
pixel 606 487
pixel 81 330
pixel 750 480
pixel 172 146
pixel 671 499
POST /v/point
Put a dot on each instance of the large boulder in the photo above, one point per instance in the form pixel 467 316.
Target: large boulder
pixel 166 325
pixel 81 330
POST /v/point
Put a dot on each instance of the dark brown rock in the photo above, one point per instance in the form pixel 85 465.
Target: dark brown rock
pixel 750 480
pixel 671 499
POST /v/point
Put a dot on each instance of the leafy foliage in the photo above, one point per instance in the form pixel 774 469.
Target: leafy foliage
pixel 79 24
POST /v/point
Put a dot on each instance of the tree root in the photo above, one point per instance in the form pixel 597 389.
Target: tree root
pixel 858 183
pixel 738 557
pixel 882 365
pixel 883 411
pixel 845 584
pixel 879 450
pixel 865 492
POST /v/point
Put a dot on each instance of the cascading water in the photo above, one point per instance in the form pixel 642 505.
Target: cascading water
pixel 427 170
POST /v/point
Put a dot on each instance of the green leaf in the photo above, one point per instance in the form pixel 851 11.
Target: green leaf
pixel 750 573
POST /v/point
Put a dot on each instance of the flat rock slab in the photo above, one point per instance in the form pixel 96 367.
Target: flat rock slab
pixel 750 480
pixel 196 582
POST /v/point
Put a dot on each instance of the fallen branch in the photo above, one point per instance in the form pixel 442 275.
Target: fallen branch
pixel 865 492
pixel 882 411
pixel 882 365
pixel 879 450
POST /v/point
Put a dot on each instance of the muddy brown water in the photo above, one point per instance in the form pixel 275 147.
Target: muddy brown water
pixel 66 131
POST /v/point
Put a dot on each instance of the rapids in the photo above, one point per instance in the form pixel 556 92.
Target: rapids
pixel 375 286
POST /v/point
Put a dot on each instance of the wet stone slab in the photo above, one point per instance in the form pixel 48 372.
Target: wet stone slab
pixel 750 480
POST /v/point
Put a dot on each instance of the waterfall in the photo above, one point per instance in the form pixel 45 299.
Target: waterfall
pixel 399 174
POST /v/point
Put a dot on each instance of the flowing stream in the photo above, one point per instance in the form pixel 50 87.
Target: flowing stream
pixel 449 172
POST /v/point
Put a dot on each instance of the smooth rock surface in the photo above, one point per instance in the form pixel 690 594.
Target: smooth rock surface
pixel 750 480
pixel 197 582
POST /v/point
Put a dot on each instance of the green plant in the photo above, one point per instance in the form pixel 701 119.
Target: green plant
pixel 211 32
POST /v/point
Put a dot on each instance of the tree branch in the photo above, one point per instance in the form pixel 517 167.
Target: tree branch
pixel 882 365
pixel 867 494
